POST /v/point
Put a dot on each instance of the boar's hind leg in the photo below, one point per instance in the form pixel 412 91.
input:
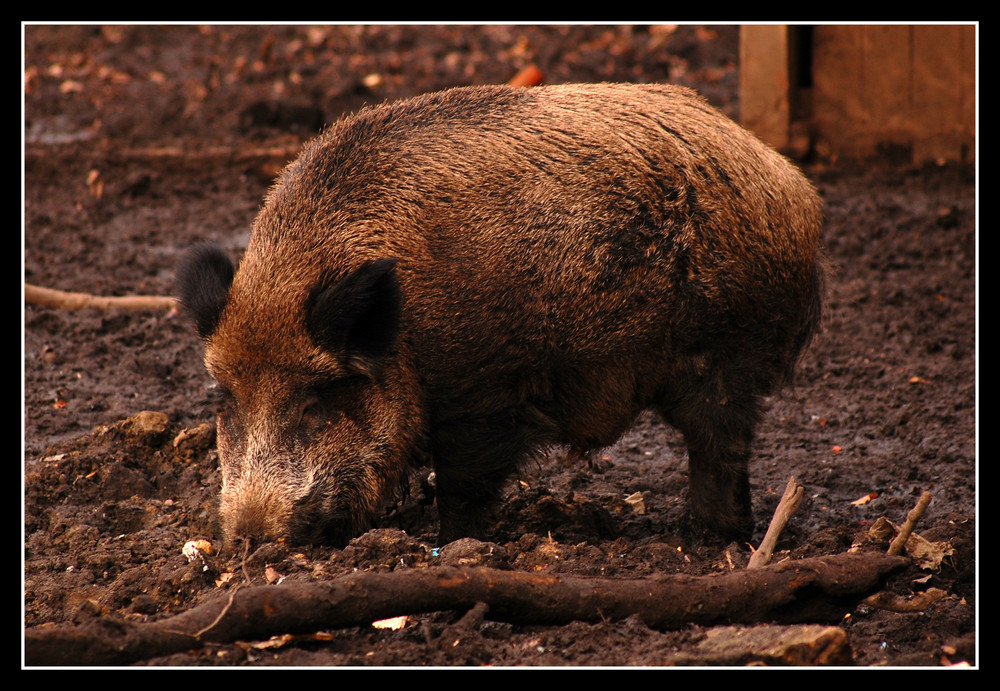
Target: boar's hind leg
pixel 718 438
pixel 719 495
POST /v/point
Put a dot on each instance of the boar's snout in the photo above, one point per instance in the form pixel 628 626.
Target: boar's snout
pixel 262 514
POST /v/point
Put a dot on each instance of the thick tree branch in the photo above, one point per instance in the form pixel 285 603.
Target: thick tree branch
pixel 793 591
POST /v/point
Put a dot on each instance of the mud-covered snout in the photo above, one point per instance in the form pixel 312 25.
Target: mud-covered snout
pixel 293 485
pixel 305 472
pixel 290 510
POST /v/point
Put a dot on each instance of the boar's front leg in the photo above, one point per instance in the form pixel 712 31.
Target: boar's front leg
pixel 473 458
pixel 464 500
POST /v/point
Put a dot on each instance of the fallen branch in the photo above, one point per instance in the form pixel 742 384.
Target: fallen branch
pixel 788 505
pixel 793 591
pixel 61 299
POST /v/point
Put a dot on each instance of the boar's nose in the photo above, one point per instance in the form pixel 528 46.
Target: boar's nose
pixel 255 516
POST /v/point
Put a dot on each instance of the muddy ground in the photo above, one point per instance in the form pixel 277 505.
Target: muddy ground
pixel 140 141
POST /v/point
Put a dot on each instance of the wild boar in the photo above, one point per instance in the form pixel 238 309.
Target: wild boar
pixel 472 276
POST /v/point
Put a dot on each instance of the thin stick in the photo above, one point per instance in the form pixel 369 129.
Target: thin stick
pixel 61 299
pixel 786 507
pixel 212 624
pixel 899 543
pixel 208 153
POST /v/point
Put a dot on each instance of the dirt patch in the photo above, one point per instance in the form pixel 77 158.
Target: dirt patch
pixel 141 141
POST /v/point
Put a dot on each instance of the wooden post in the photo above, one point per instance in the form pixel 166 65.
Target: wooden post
pixel 765 107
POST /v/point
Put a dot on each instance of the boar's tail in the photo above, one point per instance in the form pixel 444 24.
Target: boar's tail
pixel 810 320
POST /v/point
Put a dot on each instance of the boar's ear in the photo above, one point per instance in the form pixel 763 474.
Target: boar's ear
pixel 203 279
pixel 357 315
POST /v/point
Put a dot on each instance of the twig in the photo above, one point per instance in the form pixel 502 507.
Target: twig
pixel 470 621
pixel 61 299
pixel 892 602
pixel 786 507
pixel 899 543
pixel 212 624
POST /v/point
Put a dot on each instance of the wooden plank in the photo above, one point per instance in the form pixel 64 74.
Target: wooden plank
pixel 943 92
pixel 907 87
pixel 836 76
pixel 886 93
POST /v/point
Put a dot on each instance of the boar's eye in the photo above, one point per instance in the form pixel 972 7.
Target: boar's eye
pixel 219 397
pixel 224 404
pixel 314 415
pixel 327 402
